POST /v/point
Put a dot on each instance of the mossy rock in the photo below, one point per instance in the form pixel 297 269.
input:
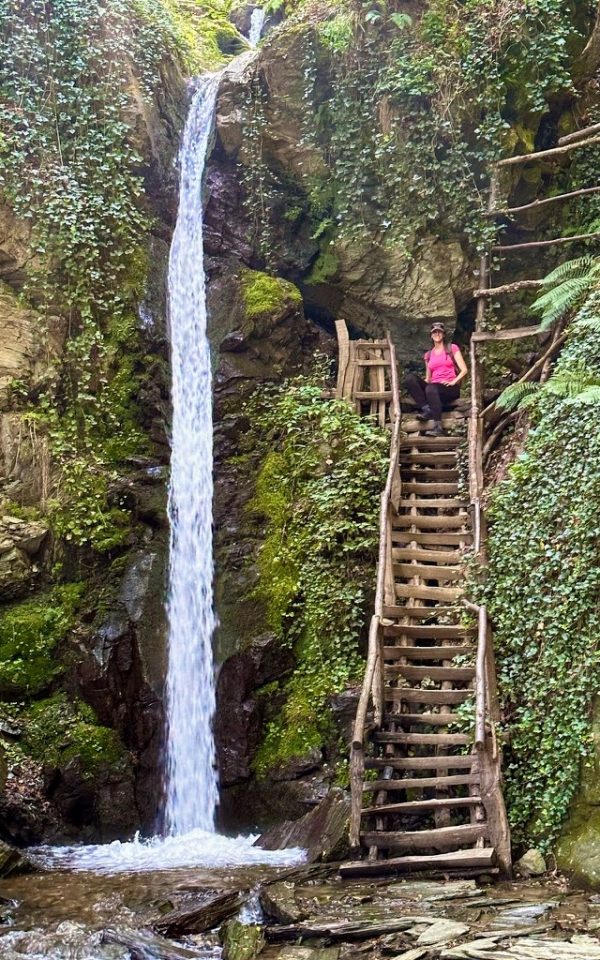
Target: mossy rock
pixel 57 731
pixel 265 295
pixel 29 635
pixel 578 850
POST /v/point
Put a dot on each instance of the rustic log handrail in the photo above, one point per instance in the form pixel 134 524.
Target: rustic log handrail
pixel 481 680
pixel 372 686
pixel 546 154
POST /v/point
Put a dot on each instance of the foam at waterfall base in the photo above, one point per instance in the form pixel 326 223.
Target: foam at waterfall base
pixel 198 848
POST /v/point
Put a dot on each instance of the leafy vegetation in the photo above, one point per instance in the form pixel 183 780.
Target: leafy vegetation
pixel 57 730
pixel 543 589
pixel 318 488
pixel 30 632
pixel 69 74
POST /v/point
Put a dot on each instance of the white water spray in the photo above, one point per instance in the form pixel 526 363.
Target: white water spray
pixel 257 21
pixel 191 782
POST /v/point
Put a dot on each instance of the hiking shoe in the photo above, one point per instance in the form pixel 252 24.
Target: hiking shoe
pixel 437 431
pixel 424 413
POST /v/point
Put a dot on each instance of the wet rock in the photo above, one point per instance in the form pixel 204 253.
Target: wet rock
pixel 297 952
pixel 147 946
pixel 201 917
pixel 296 767
pixel 442 932
pixel 278 903
pixel 531 864
pixel 322 833
pixel 122 670
pixel 241 941
pixel 13 861
pixel 22 556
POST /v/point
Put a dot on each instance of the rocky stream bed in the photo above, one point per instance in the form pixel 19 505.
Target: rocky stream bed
pixel 304 913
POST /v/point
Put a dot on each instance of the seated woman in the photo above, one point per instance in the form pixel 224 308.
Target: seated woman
pixel 444 370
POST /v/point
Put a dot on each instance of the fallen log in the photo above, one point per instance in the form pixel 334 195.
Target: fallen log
pixel 202 917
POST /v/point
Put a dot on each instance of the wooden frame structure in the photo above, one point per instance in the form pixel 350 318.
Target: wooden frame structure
pixel 374 361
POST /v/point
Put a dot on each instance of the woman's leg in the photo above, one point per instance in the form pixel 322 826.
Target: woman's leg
pixel 416 387
pixel 448 393
pixel 434 400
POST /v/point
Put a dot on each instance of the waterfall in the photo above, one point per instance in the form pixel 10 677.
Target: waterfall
pixel 257 20
pixel 191 782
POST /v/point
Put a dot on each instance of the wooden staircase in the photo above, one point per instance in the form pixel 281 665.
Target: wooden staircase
pixel 425 778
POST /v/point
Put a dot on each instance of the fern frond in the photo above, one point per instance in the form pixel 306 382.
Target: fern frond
pixel 571 383
pixel 578 267
pixel 589 395
pixel 561 299
pixel 513 396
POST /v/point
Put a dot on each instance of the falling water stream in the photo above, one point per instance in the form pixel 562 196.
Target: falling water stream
pixel 191 783
pixel 191 788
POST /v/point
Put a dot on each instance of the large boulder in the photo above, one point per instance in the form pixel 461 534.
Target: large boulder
pixel 578 849
pixel 322 833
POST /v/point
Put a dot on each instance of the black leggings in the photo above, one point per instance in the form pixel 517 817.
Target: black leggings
pixel 432 395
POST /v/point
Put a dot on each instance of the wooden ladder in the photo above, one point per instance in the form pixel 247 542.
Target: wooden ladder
pixel 426 794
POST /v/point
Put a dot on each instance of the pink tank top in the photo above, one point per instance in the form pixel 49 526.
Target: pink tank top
pixel 441 367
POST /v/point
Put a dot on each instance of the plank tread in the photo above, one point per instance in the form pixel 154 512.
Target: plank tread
pixel 421 783
pixel 426 653
pixel 428 672
pixel 442 838
pixel 409 805
pixel 435 571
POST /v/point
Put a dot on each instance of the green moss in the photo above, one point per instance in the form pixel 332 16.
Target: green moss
pixel 264 294
pixel 316 566
pixel 57 730
pixel 29 634
pixel 324 268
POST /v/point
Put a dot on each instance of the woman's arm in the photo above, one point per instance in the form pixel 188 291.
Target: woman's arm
pixel 427 373
pixel 462 368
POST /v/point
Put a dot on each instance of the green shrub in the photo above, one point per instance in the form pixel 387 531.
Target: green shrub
pixel 318 488
pixel 30 631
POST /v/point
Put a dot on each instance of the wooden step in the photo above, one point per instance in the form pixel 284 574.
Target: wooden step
pixel 479 859
pixel 430 489
pixel 441 522
pixel 443 838
pixel 450 421
pixel 427 556
pixel 424 719
pixel 435 503
pixel 437 674
pixel 433 631
pixel 414 695
pixel 439 539
pixel 407 571
pixel 434 459
pixel 426 653
pixel 420 783
pixel 429 739
pixel 420 613
pixel 422 442
pixel 415 805
pixel 380 362
pixel 374 395
pixel 417 592
pixel 460 762
pixel 415 474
